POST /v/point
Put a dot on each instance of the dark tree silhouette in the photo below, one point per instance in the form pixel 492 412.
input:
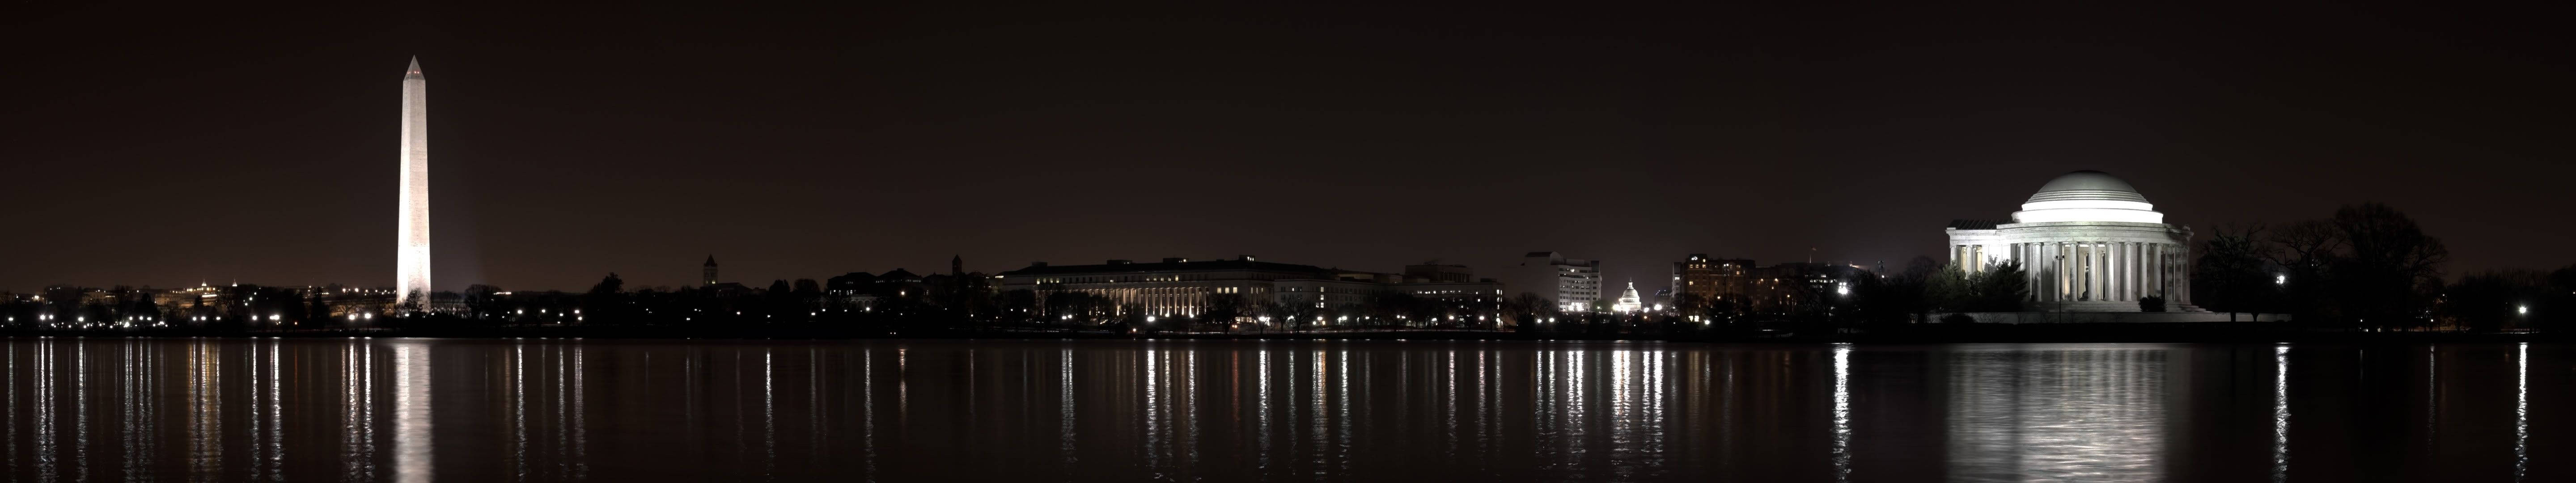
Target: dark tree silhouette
pixel 2389 259
pixel 2229 276
pixel 2492 301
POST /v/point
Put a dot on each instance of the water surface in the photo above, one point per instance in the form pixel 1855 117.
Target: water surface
pixel 617 410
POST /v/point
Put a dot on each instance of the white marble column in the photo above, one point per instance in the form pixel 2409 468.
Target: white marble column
pixel 2021 253
pixel 2164 272
pixel 2092 271
pixel 2076 281
pixel 2084 253
pixel 2038 272
pixel 2074 270
pixel 2030 269
pixel 2141 279
pixel 2056 258
pixel 2084 272
pixel 2110 271
pixel 2101 271
pixel 2119 270
pixel 2128 271
pixel 2156 269
pixel 2121 266
pixel 2059 263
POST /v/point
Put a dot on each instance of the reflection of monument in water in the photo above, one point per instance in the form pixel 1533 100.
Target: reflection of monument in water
pixel 2058 413
pixel 411 231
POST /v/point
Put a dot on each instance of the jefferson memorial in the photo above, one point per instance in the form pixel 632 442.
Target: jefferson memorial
pixel 2089 243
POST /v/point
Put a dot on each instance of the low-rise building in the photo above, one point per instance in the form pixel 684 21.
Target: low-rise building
pixel 1185 288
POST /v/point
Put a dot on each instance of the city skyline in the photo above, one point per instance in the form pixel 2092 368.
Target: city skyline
pixel 802 151
pixel 944 241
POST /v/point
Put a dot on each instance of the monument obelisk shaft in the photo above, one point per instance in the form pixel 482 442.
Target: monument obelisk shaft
pixel 411 255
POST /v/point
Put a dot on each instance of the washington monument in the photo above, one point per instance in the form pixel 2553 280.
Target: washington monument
pixel 411 234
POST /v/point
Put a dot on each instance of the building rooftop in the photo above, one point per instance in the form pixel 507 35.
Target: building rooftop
pixel 1974 224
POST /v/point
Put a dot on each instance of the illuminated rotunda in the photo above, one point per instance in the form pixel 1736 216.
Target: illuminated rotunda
pixel 2089 243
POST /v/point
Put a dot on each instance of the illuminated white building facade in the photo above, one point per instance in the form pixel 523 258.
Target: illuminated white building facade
pixel 1573 283
pixel 2088 243
pixel 411 231
pixel 1628 302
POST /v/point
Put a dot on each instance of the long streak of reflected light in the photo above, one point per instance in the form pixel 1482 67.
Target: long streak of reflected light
pixel 276 417
pixel 1842 412
pixel 1064 395
pixel 1262 408
pixel 519 406
pixel 2281 413
pixel 411 414
pixel 2521 410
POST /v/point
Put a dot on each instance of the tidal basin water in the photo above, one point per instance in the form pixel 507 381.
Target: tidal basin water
pixel 627 410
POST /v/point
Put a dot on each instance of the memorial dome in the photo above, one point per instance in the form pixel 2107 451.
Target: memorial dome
pixel 2087 196
pixel 2087 185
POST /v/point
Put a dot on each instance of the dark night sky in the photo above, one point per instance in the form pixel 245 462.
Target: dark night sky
pixel 146 145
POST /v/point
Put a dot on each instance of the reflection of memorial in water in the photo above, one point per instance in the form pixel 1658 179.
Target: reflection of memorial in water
pixel 412 449
pixel 2056 413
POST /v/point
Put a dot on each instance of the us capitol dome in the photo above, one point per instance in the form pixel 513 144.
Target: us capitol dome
pixel 2089 242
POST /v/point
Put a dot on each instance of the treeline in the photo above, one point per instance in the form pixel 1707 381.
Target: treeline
pixel 121 307
pixel 2370 267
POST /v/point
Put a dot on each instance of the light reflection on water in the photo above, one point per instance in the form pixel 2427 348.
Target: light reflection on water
pixel 558 410
pixel 2043 413
pixel 2281 413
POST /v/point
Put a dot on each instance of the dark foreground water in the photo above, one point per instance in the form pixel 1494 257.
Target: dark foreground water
pixel 507 410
